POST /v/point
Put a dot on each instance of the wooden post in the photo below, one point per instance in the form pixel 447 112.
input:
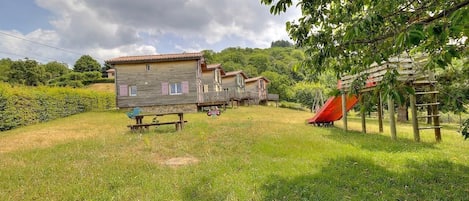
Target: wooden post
pixel 436 118
pixel 344 110
pixel 362 112
pixel 380 113
pixel 392 119
pixel 415 122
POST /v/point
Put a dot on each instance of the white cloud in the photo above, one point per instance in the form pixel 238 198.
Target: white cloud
pixel 109 28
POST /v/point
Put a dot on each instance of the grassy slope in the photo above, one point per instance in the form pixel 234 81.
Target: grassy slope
pixel 105 87
pixel 249 153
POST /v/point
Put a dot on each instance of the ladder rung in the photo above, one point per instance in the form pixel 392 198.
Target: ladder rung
pixel 424 82
pixel 429 127
pixel 426 92
pixel 435 115
pixel 426 104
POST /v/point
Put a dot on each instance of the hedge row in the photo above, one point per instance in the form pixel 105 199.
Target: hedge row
pixel 20 105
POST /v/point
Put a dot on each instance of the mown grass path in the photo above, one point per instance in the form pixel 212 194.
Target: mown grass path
pixel 249 153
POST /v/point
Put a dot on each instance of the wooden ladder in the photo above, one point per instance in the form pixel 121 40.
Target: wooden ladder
pixel 427 90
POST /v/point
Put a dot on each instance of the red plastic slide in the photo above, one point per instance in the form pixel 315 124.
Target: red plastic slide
pixel 332 110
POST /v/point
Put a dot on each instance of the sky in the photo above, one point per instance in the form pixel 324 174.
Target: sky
pixel 64 30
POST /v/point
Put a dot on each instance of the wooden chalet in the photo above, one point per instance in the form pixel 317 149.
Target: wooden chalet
pixel 212 87
pixel 257 86
pixel 234 83
pixel 161 83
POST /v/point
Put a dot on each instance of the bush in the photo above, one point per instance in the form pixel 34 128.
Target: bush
pixel 20 105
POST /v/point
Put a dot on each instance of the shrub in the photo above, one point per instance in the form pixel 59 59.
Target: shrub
pixel 20 105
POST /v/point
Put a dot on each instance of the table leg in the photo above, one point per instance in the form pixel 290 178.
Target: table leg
pixel 181 119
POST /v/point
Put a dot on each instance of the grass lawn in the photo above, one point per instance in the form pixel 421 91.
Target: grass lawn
pixel 248 153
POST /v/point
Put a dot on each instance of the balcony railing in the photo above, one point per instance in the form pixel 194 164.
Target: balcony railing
pixel 215 96
pixel 272 97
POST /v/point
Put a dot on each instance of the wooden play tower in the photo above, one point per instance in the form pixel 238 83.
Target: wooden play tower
pixel 412 73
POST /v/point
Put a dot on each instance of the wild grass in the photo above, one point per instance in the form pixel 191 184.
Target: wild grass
pixel 248 153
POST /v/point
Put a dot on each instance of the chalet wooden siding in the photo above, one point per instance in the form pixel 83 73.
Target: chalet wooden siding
pixel 258 88
pixel 209 81
pixel 153 83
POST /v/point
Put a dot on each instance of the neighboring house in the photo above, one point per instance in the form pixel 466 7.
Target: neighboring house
pixel 213 93
pixel 159 83
pixel 111 73
pixel 234 83
pixel 257 87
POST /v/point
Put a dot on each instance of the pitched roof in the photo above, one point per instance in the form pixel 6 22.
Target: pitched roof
pixel 156 58
pixel 212 67
pixel 234 73
pixel 257 78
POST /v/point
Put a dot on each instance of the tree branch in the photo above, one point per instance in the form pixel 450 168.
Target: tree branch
pixel 424 21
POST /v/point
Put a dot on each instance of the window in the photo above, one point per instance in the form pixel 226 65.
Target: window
pixel 148 67
pixel 175 88
pixel 205 88
pixel 127 90
pixel 133 90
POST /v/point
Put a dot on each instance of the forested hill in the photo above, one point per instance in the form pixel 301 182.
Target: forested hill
pixel 281 65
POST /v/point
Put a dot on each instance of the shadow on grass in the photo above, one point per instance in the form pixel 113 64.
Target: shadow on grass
pixel 377 142
pixel 204 189
pixel 357 179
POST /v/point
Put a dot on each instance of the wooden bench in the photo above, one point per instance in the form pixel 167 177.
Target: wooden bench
pixel 136 127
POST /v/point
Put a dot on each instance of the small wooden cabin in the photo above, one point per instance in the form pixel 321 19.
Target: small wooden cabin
pixel 257 87
pixel 159 83
pixel 213 92
pixel 235 83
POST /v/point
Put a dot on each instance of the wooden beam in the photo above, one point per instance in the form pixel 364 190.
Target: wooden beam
pixel 415 122
pixel 436 116
pixel 392 119
pixel 362 112
pixel 380 113
pixel 344 110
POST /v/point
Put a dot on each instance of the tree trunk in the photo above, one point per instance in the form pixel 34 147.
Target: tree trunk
pixel 402 114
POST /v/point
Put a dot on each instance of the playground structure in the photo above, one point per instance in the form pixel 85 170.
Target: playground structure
pixel 411 72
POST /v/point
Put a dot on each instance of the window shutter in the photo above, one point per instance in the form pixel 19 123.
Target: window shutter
pixel 185 87
pixel 123 90
pixel 164 88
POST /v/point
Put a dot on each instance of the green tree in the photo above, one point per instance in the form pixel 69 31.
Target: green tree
pixel 27 72
pixel 279 84
pixel 281 43
pixel 86 63
pixel 454 86
pixel 354 34
pixel 5 65
pixel 56 69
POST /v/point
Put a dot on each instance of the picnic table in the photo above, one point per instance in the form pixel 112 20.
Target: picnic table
pixel 179 123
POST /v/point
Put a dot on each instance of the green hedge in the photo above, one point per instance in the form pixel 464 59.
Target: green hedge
pixel 20 105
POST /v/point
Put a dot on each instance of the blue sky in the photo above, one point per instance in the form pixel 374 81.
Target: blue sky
pixel 63 30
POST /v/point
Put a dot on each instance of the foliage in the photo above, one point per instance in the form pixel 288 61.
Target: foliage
pixel 20 106
pixel 27 72
pixel 55 69
pixel 454 86
pixel 465 129
pixel 308 93
pixel 86 63
pixel 281 43
pixel 348 36
pixel 5 65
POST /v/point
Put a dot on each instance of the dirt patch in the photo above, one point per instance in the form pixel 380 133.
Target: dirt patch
pixel 180 161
